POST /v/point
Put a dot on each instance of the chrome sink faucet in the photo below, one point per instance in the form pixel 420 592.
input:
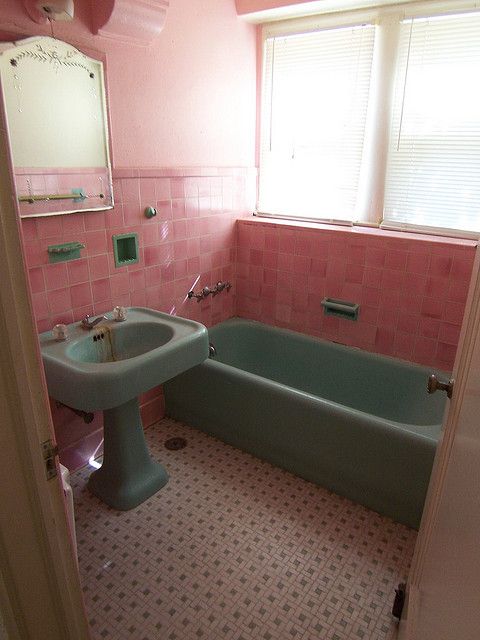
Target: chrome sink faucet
pixel 89 323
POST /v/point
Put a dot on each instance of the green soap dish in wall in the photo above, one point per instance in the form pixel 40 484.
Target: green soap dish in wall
pixel 64 252
pixel 125 249
pixel 340 308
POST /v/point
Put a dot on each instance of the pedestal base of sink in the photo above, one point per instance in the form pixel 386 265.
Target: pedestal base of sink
pixel 128 475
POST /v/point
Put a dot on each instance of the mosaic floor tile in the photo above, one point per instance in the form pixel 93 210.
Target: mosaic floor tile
pixel 233 548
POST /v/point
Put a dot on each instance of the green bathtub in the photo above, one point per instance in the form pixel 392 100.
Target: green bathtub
pixel 359 424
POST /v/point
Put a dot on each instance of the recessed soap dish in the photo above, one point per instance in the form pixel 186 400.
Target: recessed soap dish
pixel 125 249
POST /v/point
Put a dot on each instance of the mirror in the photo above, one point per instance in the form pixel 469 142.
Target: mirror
pixel 55 106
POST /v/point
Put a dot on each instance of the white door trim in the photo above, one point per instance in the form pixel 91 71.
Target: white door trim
pixel 41 593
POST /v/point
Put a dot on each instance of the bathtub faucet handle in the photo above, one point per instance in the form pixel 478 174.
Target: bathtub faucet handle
pixel 220 286
pixel 434 384
pixel 207 291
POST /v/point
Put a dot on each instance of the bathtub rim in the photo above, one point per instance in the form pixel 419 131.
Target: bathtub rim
pixel 413 429
pixel 370 355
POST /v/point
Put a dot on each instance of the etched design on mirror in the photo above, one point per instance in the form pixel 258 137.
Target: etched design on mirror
pixel 55 106
pixel 41 54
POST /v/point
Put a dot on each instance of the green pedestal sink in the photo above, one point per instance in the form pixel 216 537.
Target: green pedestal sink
pixel 107 368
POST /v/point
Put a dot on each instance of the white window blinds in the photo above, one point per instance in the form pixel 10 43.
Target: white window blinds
pixel 433 170
pixel 314 106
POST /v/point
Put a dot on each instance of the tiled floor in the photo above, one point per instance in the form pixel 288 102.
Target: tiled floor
pixel 234 548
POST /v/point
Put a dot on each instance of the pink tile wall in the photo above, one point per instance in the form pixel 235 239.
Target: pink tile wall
pixel 411 292
pixel 190 243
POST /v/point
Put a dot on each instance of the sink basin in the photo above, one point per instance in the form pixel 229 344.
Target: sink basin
pixel 104 367
pixel 107 368
pixel 124 342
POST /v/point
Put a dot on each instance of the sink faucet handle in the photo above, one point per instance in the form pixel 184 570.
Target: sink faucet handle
pixel 119 314
pixel 60 332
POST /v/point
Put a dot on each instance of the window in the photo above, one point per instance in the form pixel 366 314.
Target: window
pixel 331 147
pixel 433 171
pixel 315 102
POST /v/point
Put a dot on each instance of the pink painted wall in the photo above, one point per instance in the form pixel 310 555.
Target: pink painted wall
pixel 411 291
pixel 188 99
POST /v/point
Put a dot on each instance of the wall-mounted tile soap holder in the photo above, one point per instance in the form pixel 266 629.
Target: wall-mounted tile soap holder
pixel 64 252
pixel 340 308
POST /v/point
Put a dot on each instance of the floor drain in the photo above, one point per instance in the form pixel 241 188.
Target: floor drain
pixel 174 444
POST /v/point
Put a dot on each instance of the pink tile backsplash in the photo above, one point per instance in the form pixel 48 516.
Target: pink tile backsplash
pixel 37 280
pixel 56 276
pixel 81 295
pixel 192 236
pixel 59 300
pixel 191 242
pixel 78 271
pixel 411 291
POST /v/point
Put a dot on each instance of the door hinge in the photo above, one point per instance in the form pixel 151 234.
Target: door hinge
pixel 49 452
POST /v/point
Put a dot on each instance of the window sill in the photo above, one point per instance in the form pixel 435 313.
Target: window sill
pixel 360 230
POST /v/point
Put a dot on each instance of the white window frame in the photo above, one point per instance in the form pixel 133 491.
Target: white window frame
pixel 387 20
